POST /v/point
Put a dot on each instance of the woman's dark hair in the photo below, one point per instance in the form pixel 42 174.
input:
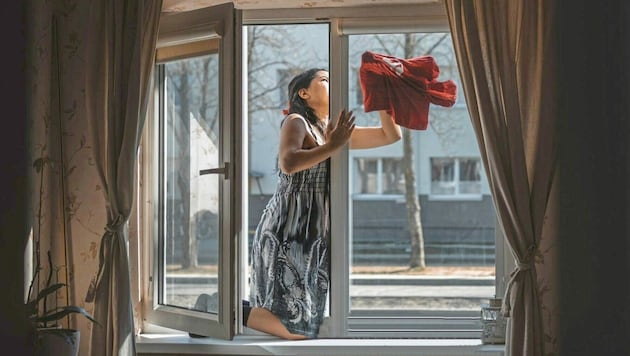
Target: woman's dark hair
pixel 297 105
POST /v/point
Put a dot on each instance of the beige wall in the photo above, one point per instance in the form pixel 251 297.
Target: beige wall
pixel 61 134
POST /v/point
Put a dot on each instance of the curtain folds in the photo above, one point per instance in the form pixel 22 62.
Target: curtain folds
pixel 503 50
pixel 120 52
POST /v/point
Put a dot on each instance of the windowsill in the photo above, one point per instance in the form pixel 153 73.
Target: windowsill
pixel 182 344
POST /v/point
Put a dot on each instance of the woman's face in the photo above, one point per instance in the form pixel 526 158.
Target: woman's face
pixel 316 95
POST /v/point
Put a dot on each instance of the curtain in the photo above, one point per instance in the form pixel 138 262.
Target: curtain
pixel 120 53
pixel 504 53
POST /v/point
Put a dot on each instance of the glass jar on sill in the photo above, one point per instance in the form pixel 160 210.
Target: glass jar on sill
pixel 493 323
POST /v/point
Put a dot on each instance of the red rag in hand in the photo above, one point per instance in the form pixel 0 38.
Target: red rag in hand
pixel 404 87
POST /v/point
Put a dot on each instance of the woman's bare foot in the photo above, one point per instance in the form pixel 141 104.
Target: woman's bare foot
pixel 263 320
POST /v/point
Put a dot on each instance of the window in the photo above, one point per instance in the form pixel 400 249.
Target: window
pixel 450 236
pixel 192 177
pixel 382 176
pixel 202 236
pixel 455 177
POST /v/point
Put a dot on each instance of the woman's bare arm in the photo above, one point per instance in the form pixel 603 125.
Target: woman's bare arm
pixel 294 157
pixel 370 137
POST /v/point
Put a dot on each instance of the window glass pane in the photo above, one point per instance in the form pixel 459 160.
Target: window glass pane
pixel 191 200
pixel 470 176
pixel 367 171
pixel 443 176
pixel 393 176
pixel 443 262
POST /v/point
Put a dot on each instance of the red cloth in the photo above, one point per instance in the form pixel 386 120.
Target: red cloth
pixel 404 87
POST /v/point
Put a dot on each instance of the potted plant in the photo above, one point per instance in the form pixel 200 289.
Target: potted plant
pixel 50 337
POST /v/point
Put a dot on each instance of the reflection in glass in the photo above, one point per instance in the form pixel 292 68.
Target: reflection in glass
pixel 191 206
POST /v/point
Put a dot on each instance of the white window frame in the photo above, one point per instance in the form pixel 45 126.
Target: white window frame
pixel 343 22
pixel 188 35
pixel 420 324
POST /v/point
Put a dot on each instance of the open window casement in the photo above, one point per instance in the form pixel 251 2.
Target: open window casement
pixel 195 138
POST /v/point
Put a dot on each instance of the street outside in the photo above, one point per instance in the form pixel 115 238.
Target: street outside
pixel 389 287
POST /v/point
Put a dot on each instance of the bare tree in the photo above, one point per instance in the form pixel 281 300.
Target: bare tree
pixel 271 63
pixel 192 82
pixel 412 45
pixel 275 54
pixel 178 75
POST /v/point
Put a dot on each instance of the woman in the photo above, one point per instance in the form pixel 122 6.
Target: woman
pixel 290 257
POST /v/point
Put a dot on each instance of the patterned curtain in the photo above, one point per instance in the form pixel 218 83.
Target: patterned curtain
pixel 120 52
pixel 505 54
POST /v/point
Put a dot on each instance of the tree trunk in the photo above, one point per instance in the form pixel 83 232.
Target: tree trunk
pixel 414 223
pixel 188 240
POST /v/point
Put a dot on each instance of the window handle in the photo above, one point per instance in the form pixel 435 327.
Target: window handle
pixel 225 170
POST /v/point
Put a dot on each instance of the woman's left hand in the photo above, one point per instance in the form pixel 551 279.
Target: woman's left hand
pixel 339 133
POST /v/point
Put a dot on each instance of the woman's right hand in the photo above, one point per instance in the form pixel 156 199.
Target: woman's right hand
pixel 339 133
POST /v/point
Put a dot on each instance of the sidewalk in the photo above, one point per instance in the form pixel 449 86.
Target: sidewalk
pixel 371 290
pixel 364 280
pixel 380 276
pixel 420 280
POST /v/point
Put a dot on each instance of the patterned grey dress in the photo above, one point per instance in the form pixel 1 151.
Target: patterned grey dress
pixel 290 257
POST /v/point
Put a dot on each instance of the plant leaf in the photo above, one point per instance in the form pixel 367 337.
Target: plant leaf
pixel 32 305
pixel 61 312
pixel 46 291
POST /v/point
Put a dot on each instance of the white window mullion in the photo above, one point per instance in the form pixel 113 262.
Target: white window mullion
pixel 340 249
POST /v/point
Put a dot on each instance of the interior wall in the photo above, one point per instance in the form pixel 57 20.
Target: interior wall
pixel 73 212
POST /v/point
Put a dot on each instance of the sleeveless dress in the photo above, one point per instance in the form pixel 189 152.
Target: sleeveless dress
pixel 290 258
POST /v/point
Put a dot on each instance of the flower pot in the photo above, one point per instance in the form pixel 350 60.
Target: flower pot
pixel 57 342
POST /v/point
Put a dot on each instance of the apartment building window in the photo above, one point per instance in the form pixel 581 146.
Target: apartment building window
pixel 379 176
pixel 455 177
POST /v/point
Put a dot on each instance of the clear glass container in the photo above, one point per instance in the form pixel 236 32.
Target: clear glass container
pixel 493 323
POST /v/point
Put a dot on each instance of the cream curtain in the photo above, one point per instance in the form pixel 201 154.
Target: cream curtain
pixel 119 58
pixel 503 50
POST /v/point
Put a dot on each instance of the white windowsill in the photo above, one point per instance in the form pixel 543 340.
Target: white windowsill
pixel 182 344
